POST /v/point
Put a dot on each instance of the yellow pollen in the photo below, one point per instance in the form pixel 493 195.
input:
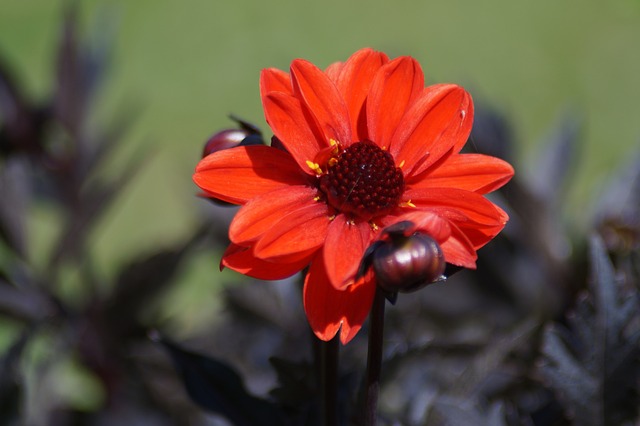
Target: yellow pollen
pixel 332 161
pixel 374 227
pixel 333 216
pixel 336 146
pixel 317 198
pixel 401 164
pixel 407 204
pixel 314 166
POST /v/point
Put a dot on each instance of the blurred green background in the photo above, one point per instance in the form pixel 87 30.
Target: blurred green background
pixel 185 66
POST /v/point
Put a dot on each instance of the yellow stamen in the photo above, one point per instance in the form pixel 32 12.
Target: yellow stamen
pixel 401 164
pixel 314 166
pixel 336 146
pixel 374 227
pixel 407 204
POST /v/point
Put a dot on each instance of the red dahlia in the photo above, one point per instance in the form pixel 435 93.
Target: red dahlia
pixel 366 146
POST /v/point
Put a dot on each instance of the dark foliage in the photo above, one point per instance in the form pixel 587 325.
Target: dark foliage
pixel 217 387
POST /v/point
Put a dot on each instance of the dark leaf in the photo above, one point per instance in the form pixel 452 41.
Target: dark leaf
pixel 139 283
pixel 618 212
pixel 14 193
pixel 457 412
pixel 491 359
pixel 491 134
pixel 557 160
pixel 594 365
pixel 217 387
pixel 92 204
pixel 79 71
pixel 25 303
pixel 22 124
pixel 10 389
pixel 103 144
pixel 297 391
pixel 571 379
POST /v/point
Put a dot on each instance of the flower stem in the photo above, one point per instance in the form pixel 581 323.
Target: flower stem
pixel 374 359
pixel 329 380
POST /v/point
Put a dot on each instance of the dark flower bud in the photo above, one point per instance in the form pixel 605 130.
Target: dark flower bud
pixel 406 264
pixel 247 134
pixel 277 143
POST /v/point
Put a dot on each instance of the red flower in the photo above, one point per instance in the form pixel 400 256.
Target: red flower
pixel 366 146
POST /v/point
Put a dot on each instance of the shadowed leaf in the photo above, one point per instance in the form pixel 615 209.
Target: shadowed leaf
pixel 557 160
pixel 491 134
pixel 10 391
pixel 594 364
pixel 452 412
pixel 217 387
pixel 139 283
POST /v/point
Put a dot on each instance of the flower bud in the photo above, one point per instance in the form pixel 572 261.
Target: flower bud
pixel 247 134
pixel 406 264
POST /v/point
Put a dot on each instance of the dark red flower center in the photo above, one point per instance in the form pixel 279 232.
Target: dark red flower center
pixel 363 180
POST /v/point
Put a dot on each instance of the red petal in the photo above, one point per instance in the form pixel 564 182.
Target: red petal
pixel 274 80
pixel 354 83
pixel 261 213
pixel 329 309
pixel 479 236
pixel 238 174
pixel 438 121
pixel 472 172
pixel 322 100
pixel 298 231
pixel 242 260
pixel 458 250
pixel 458 205
pixel 333 71
pixel 396 86
pixel 426 222
pixel 343 250
pixel 288 122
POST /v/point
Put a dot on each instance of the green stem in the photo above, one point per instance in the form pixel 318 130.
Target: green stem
pixel 374 359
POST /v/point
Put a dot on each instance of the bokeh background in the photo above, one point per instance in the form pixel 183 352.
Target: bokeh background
pixel 180 68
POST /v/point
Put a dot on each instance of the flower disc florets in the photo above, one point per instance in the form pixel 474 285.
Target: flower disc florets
pixel 363 181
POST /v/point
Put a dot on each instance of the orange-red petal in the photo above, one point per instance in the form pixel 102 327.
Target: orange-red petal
pixel 343 250
pixel 458 250
pixel 261 213
pixel 329 310
pixel 242 260
pixel 274 80
pixel 426 222
pixel 438 121
pixel 457 204
pixel 321 98
pixel 239 174
pixel 472 172
pixel 354 82
pixel 333 71
pixel 396 85
pixel 298 231
pixel 289 123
